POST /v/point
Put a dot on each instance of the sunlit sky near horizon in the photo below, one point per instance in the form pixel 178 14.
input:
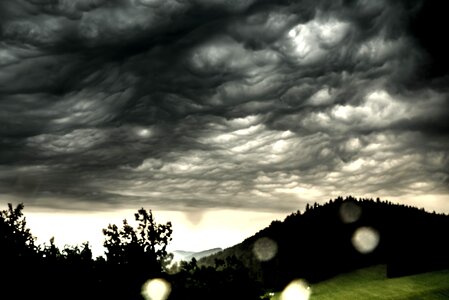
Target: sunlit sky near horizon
pixel 220 115
pixel 216 229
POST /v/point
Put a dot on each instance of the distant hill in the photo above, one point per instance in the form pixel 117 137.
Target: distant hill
pixel 180 255
pixel 340 236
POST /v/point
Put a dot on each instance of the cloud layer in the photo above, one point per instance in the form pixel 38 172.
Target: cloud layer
pixel 194 104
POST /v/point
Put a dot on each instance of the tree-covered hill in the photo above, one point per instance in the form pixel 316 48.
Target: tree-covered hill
pixel 343 235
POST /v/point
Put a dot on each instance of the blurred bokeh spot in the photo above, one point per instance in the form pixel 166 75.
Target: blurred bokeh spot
pixel 298 289
pixel 365 239
pixel 156 289
pixel 265 249
pixel 350 212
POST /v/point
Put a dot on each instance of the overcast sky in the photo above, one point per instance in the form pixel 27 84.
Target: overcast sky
pixel 198 105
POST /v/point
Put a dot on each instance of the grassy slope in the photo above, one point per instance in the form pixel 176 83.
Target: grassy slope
pixel 370 283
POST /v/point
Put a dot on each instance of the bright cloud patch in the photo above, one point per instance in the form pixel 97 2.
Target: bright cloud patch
pixel 310 42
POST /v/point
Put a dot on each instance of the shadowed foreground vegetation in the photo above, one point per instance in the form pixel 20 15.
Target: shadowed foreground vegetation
pixel 316 245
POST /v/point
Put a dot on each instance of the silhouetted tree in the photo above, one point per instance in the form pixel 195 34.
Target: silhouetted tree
pixel 77 254
pixel 145 245
pixel 51 252
pixel 133 255
pixel 16 239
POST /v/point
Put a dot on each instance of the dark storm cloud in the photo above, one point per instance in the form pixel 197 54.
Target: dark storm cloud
pixel 199 104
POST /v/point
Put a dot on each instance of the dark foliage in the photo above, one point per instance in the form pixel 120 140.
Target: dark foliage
pixel 228 279
pixel 134 255
pixel 46 272
pixel 16 239
pixel 313 245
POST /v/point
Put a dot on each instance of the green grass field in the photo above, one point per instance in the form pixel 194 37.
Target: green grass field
pixel 371 283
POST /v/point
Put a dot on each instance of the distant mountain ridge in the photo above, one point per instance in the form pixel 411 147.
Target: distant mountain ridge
pixel 340 236
pixel 181 255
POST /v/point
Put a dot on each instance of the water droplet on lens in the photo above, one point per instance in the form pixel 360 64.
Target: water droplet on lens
pixel 365 239
pixel 298 289
pixel 156 289
pixel 350 212
pixel 265 249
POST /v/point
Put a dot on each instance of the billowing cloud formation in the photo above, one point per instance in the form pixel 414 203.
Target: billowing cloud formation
pixel 197 104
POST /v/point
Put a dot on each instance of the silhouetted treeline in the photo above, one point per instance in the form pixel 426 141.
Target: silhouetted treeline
pixel 324 240
pixel 47 272
pixel 133 256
